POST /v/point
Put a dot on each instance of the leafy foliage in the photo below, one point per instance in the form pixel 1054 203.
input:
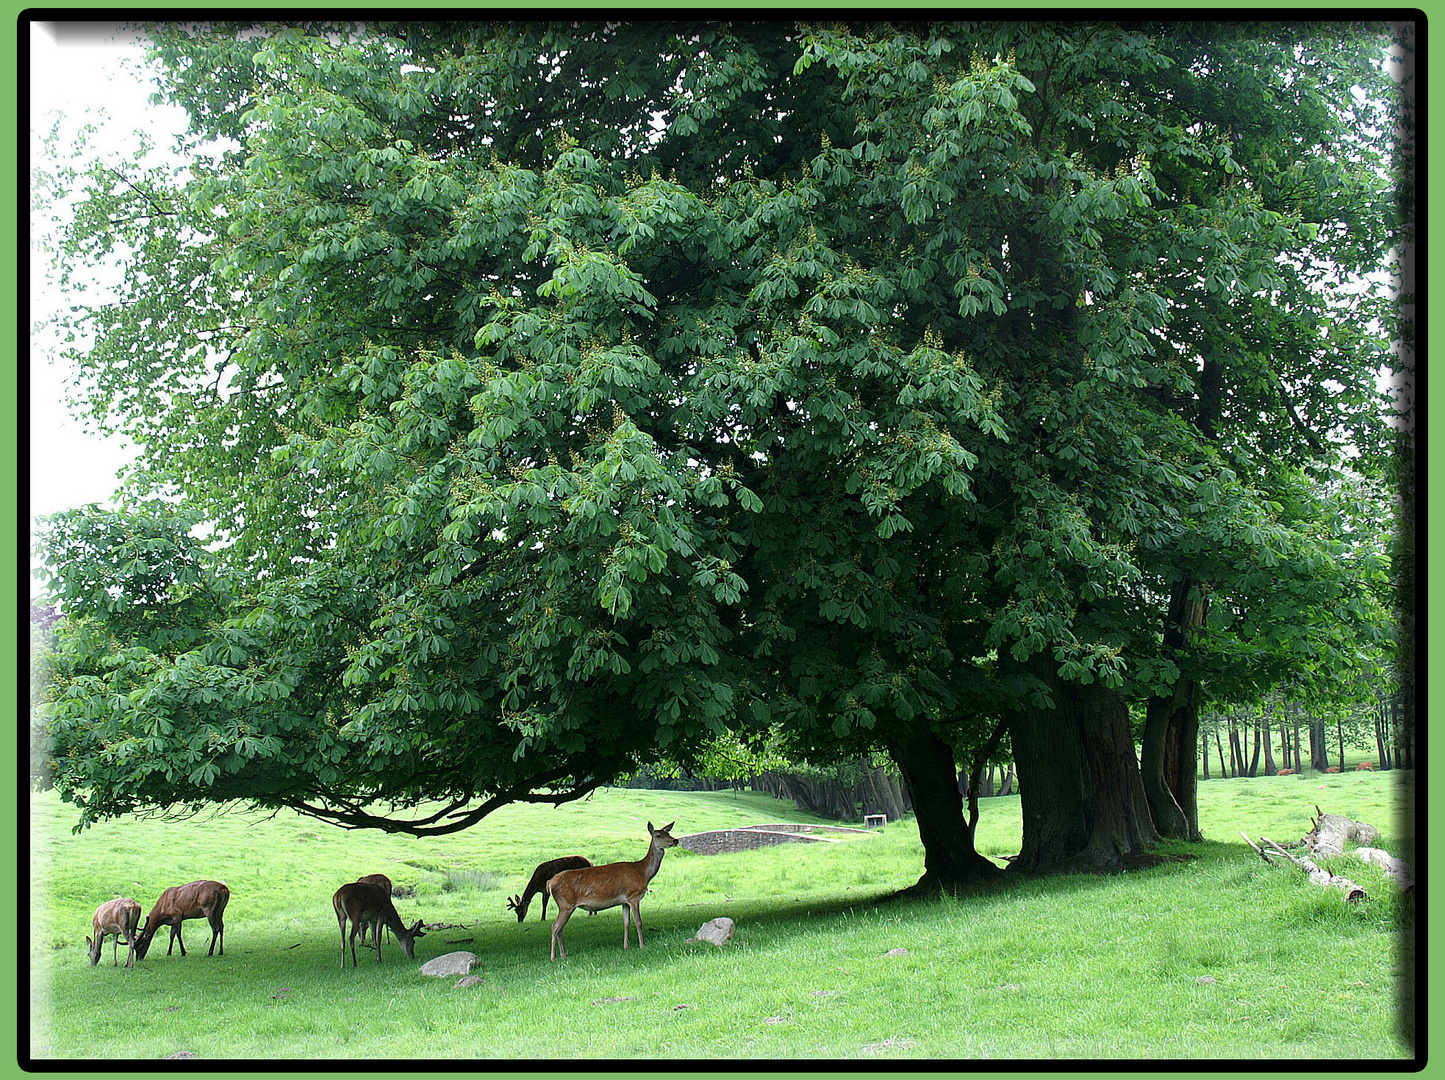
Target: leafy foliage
pixel 563 397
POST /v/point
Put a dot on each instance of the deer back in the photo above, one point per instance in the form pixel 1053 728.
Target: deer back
pixel 361 902
pixel 194 900
pixel 120 916
pixel 612 883
pixel 381 881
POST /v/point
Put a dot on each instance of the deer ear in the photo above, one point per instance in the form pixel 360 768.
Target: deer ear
pixel 668 827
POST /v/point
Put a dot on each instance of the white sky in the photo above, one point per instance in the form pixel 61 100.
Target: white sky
pixel 77 77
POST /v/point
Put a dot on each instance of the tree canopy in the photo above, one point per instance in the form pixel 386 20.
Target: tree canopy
pixel 560 397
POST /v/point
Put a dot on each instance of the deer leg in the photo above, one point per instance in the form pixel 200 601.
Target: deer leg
pixel 625 917
pixel 563 914
pixel 636 906
pixel 175 937
pixel 217 930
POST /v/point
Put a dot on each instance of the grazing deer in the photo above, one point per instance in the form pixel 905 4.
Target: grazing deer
pixel 118 918
pixel 382 882
pixel 596 888
pixel 544 873
pixel 365 904
pixel 196 900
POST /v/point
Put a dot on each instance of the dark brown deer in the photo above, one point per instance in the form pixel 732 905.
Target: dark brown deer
pixel 117 918
pixel 544 873
pixel 596 888
pixel 382 882
pixel 364 904
pixel 196 900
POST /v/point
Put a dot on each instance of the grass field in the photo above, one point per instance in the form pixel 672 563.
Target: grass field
pixel 1217 957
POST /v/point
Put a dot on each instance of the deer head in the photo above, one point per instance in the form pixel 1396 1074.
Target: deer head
pixel 408 939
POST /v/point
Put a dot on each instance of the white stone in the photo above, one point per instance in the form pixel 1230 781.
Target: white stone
pixel 453 963
pixel 718 931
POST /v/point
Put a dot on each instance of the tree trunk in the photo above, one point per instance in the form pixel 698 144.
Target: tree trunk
pixel 1319 749
pixel 1223 772
pixel 1254 758
pixel 1171 726
pixel 1083 799
pixel 881 797
pixel 1299 759
pixel 1170 818
pixel 1204 754
pixel 950 862
pixel 1340 731
pixel 1236 753
pixel 1269 766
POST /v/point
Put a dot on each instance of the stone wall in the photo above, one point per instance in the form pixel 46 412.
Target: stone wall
pixel 752 837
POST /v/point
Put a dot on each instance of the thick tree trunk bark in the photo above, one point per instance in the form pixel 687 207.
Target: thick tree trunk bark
pixel 1171 728
pixel 1083 799
pixel 931 778
pixel 1170 818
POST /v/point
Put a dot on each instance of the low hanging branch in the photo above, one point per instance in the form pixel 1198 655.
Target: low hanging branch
pixel 1318 875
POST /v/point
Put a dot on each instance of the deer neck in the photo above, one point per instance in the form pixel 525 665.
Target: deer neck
pixel 653 861
pixel 392 921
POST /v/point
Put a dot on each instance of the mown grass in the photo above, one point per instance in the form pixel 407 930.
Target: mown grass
pixel 1216 957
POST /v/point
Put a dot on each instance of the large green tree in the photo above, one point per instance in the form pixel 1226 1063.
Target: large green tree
pixel 560 396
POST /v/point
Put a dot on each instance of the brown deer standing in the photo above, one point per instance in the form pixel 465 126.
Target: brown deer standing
pixel 365 904
pixel 544 873
pixel 596 888
pixel 382 882
pixel 118 918
pixel 196 900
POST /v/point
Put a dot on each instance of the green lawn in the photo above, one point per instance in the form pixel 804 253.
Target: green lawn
pixel 1219 956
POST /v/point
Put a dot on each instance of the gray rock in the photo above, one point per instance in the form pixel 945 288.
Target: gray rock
pixel 453 963
pixel 718 931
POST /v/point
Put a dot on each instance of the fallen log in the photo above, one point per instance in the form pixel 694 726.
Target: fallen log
pixel 1329 833
pixel 1395 869
pixel 1317 874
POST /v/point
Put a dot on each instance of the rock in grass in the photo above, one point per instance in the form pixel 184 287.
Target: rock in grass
pixel 453 963
pixel 718 931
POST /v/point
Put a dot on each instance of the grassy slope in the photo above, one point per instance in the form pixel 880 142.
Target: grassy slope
pixel 1077 967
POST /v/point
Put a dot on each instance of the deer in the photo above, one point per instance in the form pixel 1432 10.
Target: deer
pixel 596 888
pixel 118 918
pixel 362 904
pixel 540 876
pixel 382 882
pixel 196 900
